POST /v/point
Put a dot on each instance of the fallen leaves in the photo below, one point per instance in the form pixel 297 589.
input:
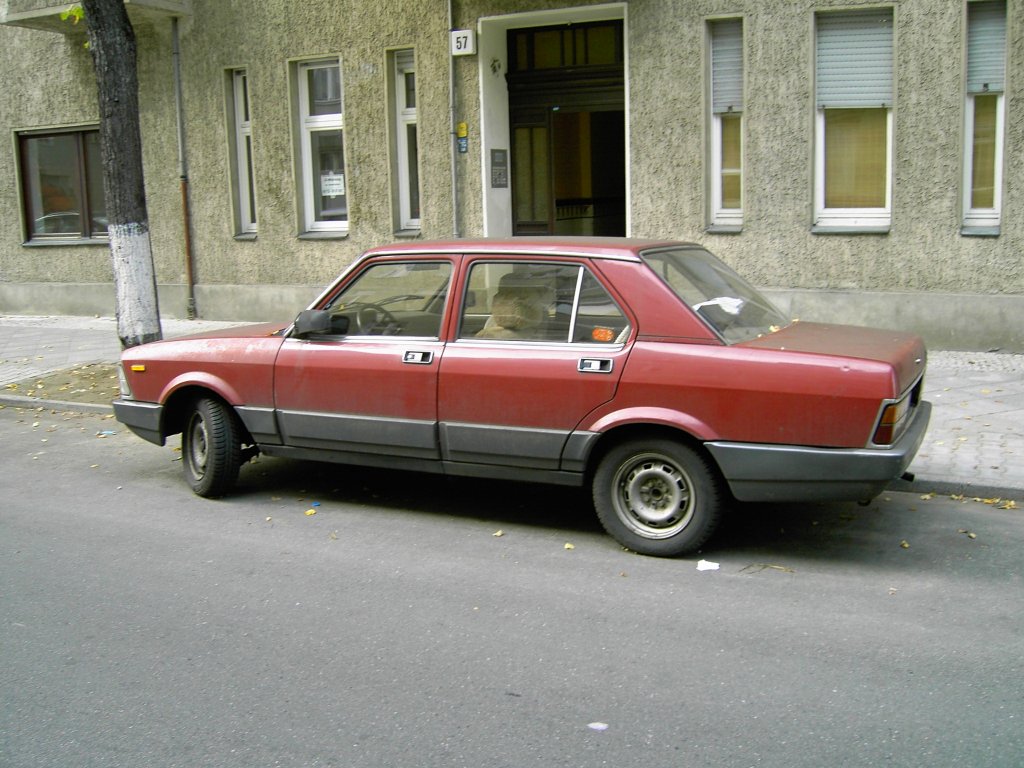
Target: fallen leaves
pixel 998 502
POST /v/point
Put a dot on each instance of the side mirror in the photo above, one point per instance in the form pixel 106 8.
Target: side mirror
pixel 312 322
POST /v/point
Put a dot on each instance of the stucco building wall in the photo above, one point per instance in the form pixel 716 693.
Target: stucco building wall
pixel 922 274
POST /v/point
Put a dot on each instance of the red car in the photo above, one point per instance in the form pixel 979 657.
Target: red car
pixel 649 370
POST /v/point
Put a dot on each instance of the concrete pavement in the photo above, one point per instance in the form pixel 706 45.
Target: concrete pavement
pixel 974 446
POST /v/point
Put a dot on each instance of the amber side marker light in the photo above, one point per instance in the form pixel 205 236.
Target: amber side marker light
pixel 138 369
pixel 889 425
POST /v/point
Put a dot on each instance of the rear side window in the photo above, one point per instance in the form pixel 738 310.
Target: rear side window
pixel 721 298
pixel 540 301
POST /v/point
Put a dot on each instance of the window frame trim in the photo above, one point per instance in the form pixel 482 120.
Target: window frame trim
pixel 404 62
pixel 730 219
pixel 28 237
pixel 856 218
pixel 306 124
pixel 975 218
pixel 244 159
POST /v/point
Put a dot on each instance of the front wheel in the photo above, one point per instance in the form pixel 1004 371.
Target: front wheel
pixel 211 448
pixel 657 497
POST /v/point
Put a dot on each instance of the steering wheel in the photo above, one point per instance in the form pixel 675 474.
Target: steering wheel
pixel 369 318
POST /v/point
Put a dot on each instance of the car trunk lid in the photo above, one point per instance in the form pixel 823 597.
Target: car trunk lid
pixel 904 352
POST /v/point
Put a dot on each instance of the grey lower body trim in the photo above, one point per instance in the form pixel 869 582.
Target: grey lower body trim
pixel 261 423
pixel 500 445
pixel 144 419
pixel 360 434
pixel 757 472
pixel 459 469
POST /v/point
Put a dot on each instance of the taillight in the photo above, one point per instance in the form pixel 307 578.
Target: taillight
pixel 890 425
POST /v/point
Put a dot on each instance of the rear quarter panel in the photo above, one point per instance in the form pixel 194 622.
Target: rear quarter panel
pixel 749 395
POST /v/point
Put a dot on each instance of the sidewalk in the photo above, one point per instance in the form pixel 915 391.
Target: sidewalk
pixel 974 446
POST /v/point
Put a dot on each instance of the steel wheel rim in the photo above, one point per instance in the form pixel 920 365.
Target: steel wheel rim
pixel 653 496
pixel 198 446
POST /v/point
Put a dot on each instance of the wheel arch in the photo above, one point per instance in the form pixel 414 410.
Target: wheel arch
pixel 631 431
pixel 181 401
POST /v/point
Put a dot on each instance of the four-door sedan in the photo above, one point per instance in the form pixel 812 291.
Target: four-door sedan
pixel 648 370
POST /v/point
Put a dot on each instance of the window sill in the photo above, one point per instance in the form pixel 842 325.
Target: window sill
pixel 819 229
pixel 65 241
pixel 407 234
pixel 245 237
pixel 724 229
pixel 324 236
pixel 967 231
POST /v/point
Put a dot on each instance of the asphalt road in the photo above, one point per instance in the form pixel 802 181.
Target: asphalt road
pixel 142 626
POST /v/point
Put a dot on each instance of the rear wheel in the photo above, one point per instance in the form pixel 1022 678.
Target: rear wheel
pixel 657 497
pixel 211 447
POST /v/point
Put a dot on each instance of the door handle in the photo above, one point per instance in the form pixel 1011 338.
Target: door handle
pixel 417 357
pixel 595 365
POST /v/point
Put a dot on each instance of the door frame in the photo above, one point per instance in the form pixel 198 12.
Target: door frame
pixel 495 131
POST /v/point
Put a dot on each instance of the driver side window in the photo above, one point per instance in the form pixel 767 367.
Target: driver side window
pixel 393 299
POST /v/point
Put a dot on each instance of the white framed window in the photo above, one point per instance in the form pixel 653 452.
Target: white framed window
pixel 324 190
pixel 726 121
pixel 984 116
pixel 854 120
pixel 407 155
pixel 245 186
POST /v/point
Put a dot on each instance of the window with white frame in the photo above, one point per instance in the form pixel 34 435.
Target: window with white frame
pixel 853 125
pixel 726 122
pixel 984 116
pixel 407 175
pixel 245 187
pixel 324 189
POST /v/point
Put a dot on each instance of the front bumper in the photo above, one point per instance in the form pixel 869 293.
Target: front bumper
pixel 144 419
pixel 796 473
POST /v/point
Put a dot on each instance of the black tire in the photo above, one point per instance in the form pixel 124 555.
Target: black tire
pixel 657 497
pixel 211 447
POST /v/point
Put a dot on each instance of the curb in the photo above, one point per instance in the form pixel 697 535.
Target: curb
pixel 21 401
pixel 923 485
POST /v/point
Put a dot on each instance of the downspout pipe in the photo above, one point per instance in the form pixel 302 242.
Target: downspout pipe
pixel 452 109
pixel 186 211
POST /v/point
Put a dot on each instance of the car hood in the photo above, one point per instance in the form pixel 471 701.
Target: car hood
pixel 904 352
pixel 256 331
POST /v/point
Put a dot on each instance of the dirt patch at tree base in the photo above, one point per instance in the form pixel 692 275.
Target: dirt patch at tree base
pixel 95 383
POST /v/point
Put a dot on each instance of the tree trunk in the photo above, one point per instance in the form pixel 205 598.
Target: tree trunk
pixel 112 44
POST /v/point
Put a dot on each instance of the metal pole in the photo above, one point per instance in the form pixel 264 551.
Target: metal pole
pixel 186 212
pixel 452 108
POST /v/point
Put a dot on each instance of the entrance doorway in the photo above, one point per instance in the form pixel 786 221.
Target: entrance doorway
pixel 567 125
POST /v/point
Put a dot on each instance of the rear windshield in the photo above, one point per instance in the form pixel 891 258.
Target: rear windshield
pixel 720 297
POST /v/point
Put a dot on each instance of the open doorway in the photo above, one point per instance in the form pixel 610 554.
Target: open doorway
pixel 567 125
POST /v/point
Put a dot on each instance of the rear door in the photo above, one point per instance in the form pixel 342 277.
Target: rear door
pixel 370 386
pixel 538 346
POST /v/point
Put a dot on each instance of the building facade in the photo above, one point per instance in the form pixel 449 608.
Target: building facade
pixel 861 161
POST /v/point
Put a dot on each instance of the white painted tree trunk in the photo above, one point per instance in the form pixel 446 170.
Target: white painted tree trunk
pixel 138 315
pixel 114 53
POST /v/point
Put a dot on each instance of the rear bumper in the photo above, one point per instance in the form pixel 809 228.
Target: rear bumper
pixel 757 472
pixel 144 419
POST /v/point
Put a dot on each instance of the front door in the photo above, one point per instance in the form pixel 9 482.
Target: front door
pixel 370 386
pixel 566 102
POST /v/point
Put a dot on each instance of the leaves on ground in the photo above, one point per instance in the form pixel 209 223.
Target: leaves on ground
pixel 94 383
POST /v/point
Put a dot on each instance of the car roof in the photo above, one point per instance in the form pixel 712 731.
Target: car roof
pixel 593 247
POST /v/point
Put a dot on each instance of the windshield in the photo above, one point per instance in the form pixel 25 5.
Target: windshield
pixel 722 299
